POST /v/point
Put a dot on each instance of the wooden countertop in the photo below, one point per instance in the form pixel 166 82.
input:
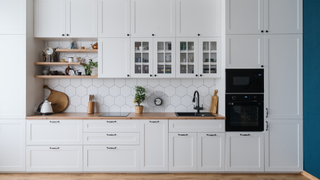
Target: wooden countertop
pixel 132 115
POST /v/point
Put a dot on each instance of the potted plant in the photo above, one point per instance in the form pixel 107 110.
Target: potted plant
pixel 138 98
pixel 88 67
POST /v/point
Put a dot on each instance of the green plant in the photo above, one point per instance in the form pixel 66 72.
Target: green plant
pixel 140 95
pixel 89 66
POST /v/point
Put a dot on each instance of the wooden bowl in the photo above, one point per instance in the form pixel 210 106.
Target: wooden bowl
pixel 54 72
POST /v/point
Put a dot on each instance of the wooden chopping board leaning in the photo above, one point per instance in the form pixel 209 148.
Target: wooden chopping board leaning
pixel 59 100
pixel 214 103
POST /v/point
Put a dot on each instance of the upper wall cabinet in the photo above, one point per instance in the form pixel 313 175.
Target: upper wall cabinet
pixel 198 18
pixel 153 18
pixel 16 10
pixel 263 16
pixel 65 18
pixel 113 18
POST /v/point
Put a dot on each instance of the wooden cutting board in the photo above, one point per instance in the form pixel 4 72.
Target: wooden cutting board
pixel 59 100
pixel 214 102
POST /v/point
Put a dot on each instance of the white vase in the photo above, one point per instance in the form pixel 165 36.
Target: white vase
pixel 94 71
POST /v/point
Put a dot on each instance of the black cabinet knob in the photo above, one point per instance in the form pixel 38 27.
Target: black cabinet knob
pixel 201 75
pixel 261 65
pixel 267 31
pixel 198 34
pixel 150 75
pixel 196 75
pixel 62 34
pixel 152 34
pixel 262 31
pixel 67 34
pixel 128 34
pixel 155 75
pixel 128 75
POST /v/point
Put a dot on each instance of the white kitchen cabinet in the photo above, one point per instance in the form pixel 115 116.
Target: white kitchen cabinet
pixel 197 125
pixel 244 151
pixel 154 145
pixel 198 57
pixel 283 146
pixel 114 58
pixel 142 57
pixel 54 158
pixel 164 58
pixel 111 138
pixel 263 16
pixel 283 77
pixel 182 152
pixel 111 158
pixel 211 151
pixel 110 125
pixel 245 51
pixel 113 18
pixel 198 18
pixel 13 17
pixel 10 94
pixel 54 132
pixel 12 143
pixel 65 18
pixel 153 18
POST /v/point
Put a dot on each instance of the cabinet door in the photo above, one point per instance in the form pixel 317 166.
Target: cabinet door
pixel 283 16
pixel 13 17
pixel 153 18
pixel 244 16
pixel 284 146
pixel 164 57
pixel 142 57
pixel 245 151
pixel 49 18
pixel 244 51
pixel 54 158
pixel 111 126
pixel 12 143
pixel 9 108
pixel 111 158
pixel 54 132
pixel 182 152
pixel 114 58
pixel 114 18
pixel 154 145
pixel 211 151
pixel 81 18
pixel 187 57
pixel 198 18
pixel 283 77
pixel 209 59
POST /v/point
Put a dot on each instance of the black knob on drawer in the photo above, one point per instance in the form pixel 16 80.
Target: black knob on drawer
pixel 152 34
pixel 128 34
pixel 262 31
pixel 196 75
pixel 62 34
pixel 128 75
pixel 267 31
pixel 198 34
pixel 150 75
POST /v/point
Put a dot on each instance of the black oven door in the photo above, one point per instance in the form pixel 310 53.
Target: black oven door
pixel 244 116
pixel 244 80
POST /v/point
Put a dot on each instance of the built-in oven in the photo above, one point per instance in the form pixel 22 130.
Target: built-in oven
pixel 244 112
pixel 244 81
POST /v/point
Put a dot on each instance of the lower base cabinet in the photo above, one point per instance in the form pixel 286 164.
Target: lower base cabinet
pixel 284 146
pixel 245 151
pixel 54 158
pixel 111 158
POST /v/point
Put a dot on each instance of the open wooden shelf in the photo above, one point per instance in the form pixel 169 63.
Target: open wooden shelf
pixel 77 50
pixel 58 63
pixel 64 77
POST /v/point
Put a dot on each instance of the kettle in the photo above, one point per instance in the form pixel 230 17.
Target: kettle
pixel 45 108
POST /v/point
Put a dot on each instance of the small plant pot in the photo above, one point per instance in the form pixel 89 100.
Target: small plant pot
pixel 139 109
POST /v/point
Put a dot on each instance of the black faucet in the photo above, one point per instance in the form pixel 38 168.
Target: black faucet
pixel 197 107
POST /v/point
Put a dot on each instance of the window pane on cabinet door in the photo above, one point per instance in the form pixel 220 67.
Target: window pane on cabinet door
pixel 168 69
pixel 145 69
pixel 168 57
pixel 183 69
pixel 183 57
pixel 190 57
pixel 160 46
pixel 168 46
pixel 190 46
pixel 205 57
pixel 137 57
pixel 213 69
pixel 205 69
pixel 160 57
pixel 190 69
pixel 213 46
pixel 145 58
pixel 160 69
pixel 137 69
pixel 213 57
pixel 205 46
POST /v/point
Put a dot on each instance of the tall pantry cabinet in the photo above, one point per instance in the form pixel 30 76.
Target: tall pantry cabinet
pixel 13 103
pixel 269 36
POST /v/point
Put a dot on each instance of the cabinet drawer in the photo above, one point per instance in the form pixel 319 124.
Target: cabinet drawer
pixel 111 126
pixel 196 126
pixel 54 158
pixel 111 138
pixel 111 158
pixel 54 132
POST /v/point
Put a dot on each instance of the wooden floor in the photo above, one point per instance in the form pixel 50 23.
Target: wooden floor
pixel 152 177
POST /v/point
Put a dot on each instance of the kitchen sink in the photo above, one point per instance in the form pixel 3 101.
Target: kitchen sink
pixel 202 114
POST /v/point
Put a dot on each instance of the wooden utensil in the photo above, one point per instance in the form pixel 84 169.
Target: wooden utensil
pixel 214 102
pixel 59 100
pixel 91 104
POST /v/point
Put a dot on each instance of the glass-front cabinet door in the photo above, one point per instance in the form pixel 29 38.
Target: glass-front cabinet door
pixel 209 57
pixel 164 57
pixel 187 57
pixel 141 57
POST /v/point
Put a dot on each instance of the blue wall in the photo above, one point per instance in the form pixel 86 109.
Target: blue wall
pixel 311 86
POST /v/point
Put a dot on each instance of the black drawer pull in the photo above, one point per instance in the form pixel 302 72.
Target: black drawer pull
pixel 182 134
pixel 211 134
pixel 54 121
pixel 111 147
pixel 54 147
pixel 244 134
pixel 154 121
pixel 111 134
pixel 111 121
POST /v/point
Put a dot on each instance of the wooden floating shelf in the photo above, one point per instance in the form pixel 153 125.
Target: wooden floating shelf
pixel 64 77
pixel 58 63
pixel 77 50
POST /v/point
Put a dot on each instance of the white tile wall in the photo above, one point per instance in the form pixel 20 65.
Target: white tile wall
pixel 118 94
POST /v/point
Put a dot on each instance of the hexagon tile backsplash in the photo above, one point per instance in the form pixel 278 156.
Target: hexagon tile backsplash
pixel 113 95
